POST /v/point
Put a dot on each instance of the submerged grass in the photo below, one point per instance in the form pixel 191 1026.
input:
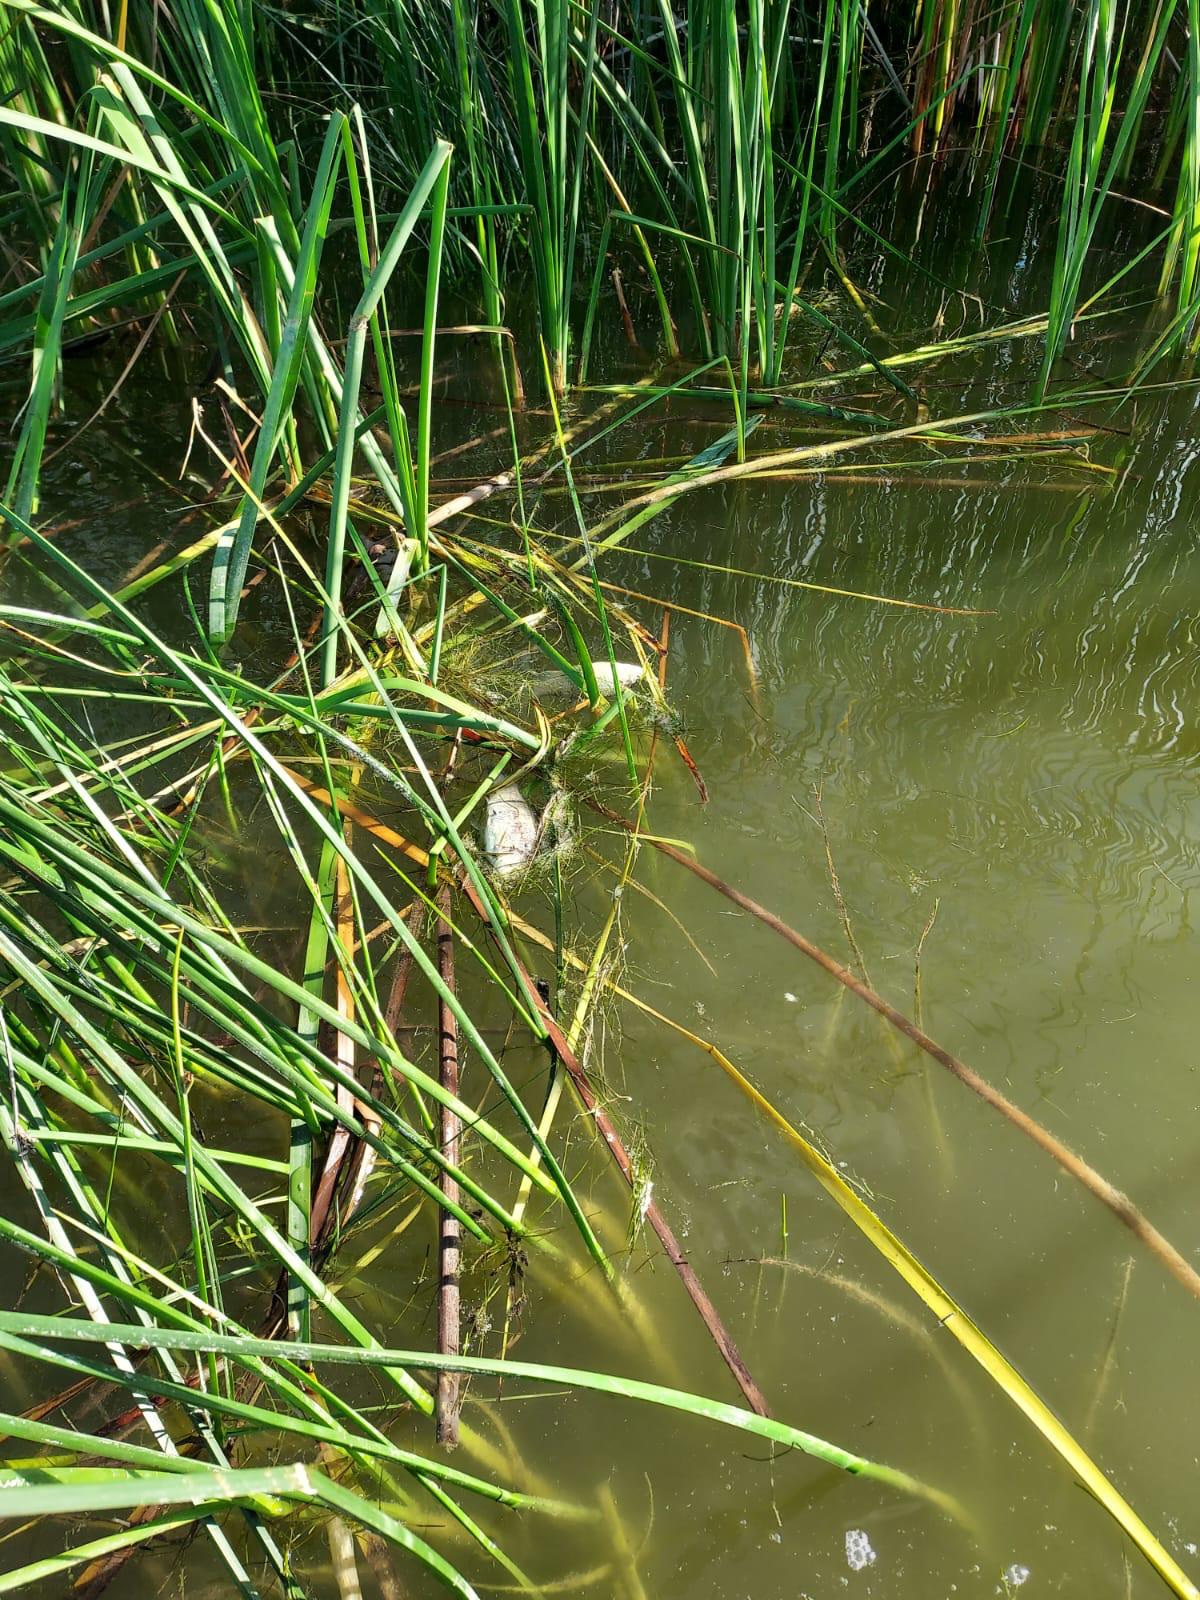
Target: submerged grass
pixel 263 188
pixel 131 965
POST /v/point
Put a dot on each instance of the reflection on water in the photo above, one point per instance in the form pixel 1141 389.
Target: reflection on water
pixel 1027 774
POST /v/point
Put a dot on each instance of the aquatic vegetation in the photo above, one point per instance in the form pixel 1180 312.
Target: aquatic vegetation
pixel 268 948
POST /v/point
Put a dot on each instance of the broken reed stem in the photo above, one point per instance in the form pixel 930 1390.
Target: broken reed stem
pixel 708 1312
pixel 557 1040
pixel 1108 1361
pixel 631 338
pixel 945 1148
pixel 505 480
pixel 918 1002
pixel 449 1397
pixel 322 1220
pixel 835 883
pixel 394 1009
pixel 1117 1202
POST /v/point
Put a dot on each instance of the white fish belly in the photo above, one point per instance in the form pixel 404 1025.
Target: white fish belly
pixel 628 675
pixel 510 831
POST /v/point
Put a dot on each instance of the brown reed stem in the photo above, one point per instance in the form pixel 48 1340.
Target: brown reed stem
pixel 449 1398
pixel 1117 1202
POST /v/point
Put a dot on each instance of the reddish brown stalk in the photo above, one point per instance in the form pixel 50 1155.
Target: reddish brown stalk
pixel 321 1218
pixel 685 755
pixel 364 1155
pixel 45 1408
pixel 1118 1203
pixel 631 338
pixel 98 1574
pixel 708 1312
pixel 398 992
pixel 449 1398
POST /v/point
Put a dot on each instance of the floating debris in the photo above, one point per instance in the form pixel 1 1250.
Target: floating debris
pixel 859 1553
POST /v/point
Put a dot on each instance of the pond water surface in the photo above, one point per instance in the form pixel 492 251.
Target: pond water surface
pixel 1014 792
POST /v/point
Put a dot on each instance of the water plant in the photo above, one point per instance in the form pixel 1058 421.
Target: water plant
pixel 268 195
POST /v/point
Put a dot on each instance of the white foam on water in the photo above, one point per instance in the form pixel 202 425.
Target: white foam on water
pixel 1015 1575
pixel 859 1553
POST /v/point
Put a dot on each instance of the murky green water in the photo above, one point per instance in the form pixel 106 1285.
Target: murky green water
pixel 1029 773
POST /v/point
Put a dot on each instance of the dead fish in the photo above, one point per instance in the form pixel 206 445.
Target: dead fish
pixel 510 831
pixel 628 674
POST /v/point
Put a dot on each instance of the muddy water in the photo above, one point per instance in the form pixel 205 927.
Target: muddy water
pixel 1028 776
pixel 1012 793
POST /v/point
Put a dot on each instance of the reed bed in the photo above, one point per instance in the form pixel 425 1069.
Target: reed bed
pixel 280 198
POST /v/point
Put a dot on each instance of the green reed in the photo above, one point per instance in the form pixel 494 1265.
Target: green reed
pixel 707 138
pixel 281 184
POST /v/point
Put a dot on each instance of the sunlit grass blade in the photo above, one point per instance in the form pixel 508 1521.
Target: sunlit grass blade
pixel 31 1327
pixel 951 1316
pixel 433 179
pixel 232 554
